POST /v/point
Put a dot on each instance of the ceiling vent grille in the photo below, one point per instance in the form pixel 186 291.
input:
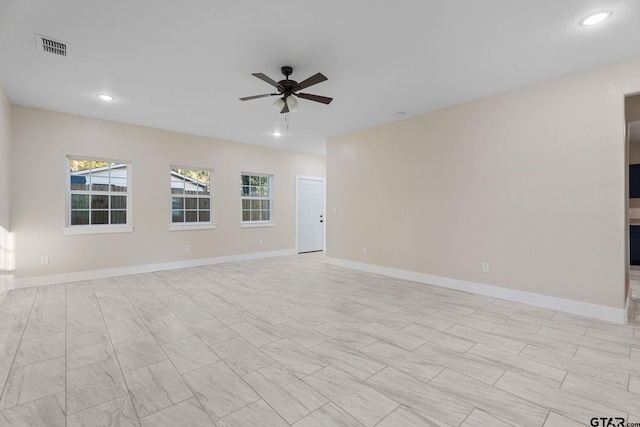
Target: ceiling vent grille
pixel 47 44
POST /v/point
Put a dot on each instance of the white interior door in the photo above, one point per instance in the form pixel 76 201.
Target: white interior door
pixel 310 214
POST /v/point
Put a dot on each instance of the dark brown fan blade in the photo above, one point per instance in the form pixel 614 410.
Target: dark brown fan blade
pixel 315 79
pixel 266 79
pixel 248 98
pixel 316 98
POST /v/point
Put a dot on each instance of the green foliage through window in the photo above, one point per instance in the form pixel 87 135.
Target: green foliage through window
pixel 255 191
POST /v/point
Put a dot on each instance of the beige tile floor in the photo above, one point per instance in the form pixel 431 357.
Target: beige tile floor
pixel 292 341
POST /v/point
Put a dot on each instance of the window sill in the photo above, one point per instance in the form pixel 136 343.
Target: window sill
pixel 195 226
pixel 256 224
pixel 92 229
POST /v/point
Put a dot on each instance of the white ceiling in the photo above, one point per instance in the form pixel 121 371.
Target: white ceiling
pixel 183 65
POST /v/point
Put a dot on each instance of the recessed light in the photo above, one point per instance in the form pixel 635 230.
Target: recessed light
pixel 399 114
pixel 595 18
pixel 276 134
pixel 106 97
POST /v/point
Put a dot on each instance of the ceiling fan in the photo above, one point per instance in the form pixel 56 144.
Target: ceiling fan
pixel 289 90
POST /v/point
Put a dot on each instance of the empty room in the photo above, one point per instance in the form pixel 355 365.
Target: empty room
pixel 332 213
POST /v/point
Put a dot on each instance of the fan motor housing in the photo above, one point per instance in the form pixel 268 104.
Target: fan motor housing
pixel 287 86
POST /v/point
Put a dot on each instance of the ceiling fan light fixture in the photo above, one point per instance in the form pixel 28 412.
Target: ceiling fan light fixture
pixel 292 102
pixel 279 104
pixel 596 18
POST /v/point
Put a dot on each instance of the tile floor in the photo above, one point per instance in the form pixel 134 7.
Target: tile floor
pixel 292 341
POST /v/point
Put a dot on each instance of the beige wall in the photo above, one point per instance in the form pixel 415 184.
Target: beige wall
pixel 6 264
pixel 42 139
pixel 531 181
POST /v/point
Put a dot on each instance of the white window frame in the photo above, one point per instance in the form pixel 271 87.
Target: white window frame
pixel 98 228
pixel 198 225
pixel 257 223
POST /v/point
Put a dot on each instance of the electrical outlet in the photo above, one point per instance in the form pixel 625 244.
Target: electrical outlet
pixel 187 248
pixel 485 267
pixel 260 242
pixel 365 251
pixel 44 260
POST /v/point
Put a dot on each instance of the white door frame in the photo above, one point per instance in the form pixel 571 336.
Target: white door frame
pixel 324 208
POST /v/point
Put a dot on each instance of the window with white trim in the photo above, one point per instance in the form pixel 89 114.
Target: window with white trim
pixel 255 191
pixel 98 193
pixel 191 195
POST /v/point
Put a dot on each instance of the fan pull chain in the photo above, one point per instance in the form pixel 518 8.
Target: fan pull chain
pixel 286 119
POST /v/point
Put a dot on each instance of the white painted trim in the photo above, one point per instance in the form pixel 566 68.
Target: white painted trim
pixel 28 282
pixel 192 226
pixel 96 229
pixel 256 224
pixel 559 304
pixel 324 208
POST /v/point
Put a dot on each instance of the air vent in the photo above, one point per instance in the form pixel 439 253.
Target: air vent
pixel 47 44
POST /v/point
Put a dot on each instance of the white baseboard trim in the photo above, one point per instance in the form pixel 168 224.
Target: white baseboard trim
pixel 55 279
pixel 559 304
